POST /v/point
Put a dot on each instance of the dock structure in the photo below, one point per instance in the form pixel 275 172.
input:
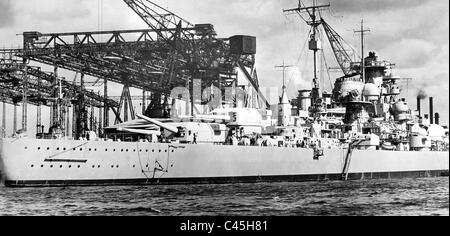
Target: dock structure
pixel 170 53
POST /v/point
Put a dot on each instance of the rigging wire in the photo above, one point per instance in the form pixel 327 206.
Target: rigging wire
pixel 291 78
pixel 302 17
pixel 325 63
pixel 288 23
pixel 321 56
pixel 326 66
pixel 100 17
pixel 304 47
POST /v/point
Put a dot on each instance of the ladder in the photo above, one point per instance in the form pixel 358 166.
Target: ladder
pixel 348 158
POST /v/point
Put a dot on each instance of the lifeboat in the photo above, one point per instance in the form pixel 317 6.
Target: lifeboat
pixel 388 146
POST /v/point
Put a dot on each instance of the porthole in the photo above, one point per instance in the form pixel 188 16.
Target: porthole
pixel 117 166
pixel 134 166
pixel 81 149
pixel 93 166
pixel 57 149
pixel 160 150
pixel 127 150
pixel 114 150
pixel 95 149
pixel 146 150
pixel 51 166
pixel 166 151
pixel 98 166
pixel 106 150
pixel 79 166
pixel 60 166
pixel 140 150
pixel 64 149
pixel 153 150
pixel 90 149
pixel 48 148
pixel 26 148
pixel 39 148
pixel 70 166
pixel 173 151
pixel 112 166
pixel 146 166
pixel 32 166
pixel 42 166
pixel 121 150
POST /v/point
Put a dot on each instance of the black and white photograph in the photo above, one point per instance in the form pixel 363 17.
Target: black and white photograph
pixel 212 108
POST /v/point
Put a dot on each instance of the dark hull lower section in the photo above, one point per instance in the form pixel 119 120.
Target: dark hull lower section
pixel 228 180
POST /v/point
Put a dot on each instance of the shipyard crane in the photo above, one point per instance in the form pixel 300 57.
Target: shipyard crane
pixel 171 29
pixel 194 43
pixel 171 53
pixel 26 84
pixel 161 20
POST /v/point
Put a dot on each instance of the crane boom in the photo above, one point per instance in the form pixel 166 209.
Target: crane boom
pixel 158 18
pixel 346 56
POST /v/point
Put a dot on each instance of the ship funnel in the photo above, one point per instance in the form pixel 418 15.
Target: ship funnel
pixel 422 95
pixel 431 110
pixel 437 118
pixel 418 106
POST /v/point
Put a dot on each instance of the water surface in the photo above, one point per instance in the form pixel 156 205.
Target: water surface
pixel 402 197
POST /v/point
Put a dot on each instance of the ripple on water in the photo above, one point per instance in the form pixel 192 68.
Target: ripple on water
pixel 368 197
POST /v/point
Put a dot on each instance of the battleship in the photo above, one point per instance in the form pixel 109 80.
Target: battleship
pixel 362 129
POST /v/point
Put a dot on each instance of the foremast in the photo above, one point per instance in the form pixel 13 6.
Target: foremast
pixel 315 45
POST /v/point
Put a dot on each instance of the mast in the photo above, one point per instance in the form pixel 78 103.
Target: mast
pixel 284 67
pixel 283 105
pixel 362 31
pixel 314 43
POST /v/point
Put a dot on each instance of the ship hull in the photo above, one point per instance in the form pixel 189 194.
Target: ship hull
pixel 45 163
pixel 225 180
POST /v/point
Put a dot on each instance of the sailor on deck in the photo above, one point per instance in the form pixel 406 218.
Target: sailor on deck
pixel 245 141
pixel 195 138
pixel 259 141
pixel 234 140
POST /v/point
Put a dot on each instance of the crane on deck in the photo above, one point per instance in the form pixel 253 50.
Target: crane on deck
pixel 346 56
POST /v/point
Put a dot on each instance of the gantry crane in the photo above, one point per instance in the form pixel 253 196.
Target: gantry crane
pixel 23 84
pixel 171 53
pixel 194 43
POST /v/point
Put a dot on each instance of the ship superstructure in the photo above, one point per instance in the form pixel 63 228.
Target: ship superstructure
pixel 362 129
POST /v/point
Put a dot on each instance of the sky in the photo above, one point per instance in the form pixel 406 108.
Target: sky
pixel 412 34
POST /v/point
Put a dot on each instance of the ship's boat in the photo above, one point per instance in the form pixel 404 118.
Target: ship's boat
pixel 388 146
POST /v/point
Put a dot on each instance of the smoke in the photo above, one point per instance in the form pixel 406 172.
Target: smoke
pixel 375 5
pixel 422 94
pixel 6 13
